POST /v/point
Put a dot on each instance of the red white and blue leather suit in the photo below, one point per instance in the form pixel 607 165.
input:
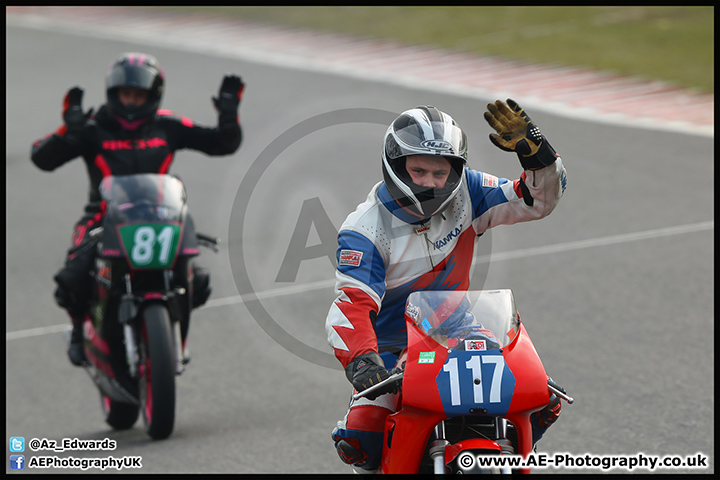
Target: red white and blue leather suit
pixel 385 254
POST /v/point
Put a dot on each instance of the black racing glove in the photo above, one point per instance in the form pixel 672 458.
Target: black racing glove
pixel 73 115
pixel 367 370
pixel 228 100
pixel 516 133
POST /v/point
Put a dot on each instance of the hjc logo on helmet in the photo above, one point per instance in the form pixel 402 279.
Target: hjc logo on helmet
pixel 438 145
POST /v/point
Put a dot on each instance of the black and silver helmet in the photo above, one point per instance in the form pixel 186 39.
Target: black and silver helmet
pixel 423 130
pixel 137 70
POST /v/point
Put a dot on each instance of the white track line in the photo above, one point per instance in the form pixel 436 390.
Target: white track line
pixel 494 257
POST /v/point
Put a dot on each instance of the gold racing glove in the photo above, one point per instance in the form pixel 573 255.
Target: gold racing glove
pixel 516 133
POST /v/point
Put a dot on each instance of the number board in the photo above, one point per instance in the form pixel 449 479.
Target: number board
pixel 150 245
pixel 475 380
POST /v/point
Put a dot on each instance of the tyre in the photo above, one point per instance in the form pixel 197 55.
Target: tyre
pixel 157 376
pixel 120 416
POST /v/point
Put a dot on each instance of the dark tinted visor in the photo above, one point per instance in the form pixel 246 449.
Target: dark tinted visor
pixel 131 76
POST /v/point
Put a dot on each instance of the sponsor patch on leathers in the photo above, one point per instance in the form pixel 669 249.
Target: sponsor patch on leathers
pixel 490 180
pixel 351 258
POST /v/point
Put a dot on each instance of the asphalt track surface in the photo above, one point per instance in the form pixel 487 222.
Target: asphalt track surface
pixel 615 287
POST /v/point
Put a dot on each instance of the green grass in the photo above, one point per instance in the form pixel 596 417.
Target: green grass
pixel 673 44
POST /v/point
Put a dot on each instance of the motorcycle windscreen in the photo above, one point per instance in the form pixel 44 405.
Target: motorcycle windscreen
pixel 144 218
pixel 474 320
pixel 146 196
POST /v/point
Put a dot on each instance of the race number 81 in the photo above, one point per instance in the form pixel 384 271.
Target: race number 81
pixel 150 245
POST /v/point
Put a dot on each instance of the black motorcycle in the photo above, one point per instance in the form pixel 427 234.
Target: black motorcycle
pixel 135 335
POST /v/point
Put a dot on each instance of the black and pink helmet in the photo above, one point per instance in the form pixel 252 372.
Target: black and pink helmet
pixel 138 70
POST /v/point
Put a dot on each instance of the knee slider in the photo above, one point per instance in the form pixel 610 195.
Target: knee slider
pixel 349 451
pixel 75 279
pixel 65 298
pixel 358 448
pixel 74 301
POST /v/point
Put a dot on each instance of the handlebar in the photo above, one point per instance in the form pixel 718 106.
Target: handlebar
pixel 559 391
pixel 392 378
pixel 208 242
pixel 552 386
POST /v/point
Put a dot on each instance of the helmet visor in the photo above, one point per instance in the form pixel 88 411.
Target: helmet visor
pixel 422 200
pixel 132 76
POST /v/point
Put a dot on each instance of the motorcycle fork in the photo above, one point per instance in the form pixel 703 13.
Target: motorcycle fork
pixel 437 449
pixel 127 313
pixel 503 441
pixel 437 446
pixel 176 330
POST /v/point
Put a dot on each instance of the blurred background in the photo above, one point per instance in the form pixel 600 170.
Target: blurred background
pixel 670 43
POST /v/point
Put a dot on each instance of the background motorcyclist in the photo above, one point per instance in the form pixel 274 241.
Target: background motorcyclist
pixel 129 134
pixel 417 230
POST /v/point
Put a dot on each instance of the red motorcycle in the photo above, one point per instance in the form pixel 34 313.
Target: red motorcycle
pixel 470 380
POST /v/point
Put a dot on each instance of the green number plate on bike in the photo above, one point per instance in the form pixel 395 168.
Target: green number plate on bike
pixel 150 245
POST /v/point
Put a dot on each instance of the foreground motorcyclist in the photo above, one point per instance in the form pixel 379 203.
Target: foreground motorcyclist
pixel 417 230
pixel 128 135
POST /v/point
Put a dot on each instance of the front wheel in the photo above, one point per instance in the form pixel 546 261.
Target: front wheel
pixel 157 374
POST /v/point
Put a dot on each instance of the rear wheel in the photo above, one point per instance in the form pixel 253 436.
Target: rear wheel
pixel 157 373
pixel 120 416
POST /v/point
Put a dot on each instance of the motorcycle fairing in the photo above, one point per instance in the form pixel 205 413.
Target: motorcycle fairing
pixel 520 382
pixel 153 201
